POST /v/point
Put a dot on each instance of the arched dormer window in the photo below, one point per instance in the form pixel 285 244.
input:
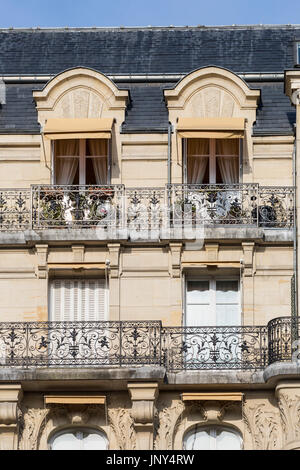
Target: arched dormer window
pixel 212 438
pixel 79 439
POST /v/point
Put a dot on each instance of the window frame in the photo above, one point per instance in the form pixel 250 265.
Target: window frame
pixel 212 162
pixel 82 162
pixel 213 429
pixel 77 430
pixel 212 279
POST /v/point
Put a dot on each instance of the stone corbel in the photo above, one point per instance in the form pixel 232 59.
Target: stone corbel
pixel 175 251
pixel 42 256
pixel 248 250
pixel 114 258
pixel 143 397
pixel 10 395
pixel 78 253
pixel 288 396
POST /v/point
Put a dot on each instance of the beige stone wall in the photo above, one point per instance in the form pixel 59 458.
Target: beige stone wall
pixel 144 282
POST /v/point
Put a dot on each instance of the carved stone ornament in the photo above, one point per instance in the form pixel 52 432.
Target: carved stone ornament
pixel 288 396
pixel 263 424
pixel 39 423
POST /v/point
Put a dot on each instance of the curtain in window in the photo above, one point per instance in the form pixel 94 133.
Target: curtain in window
pixel 98 148
pixel 67 160
pixel 229 162
pixel 197 149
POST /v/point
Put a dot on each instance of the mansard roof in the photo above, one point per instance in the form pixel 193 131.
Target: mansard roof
pixel 241 49
pixel 159 52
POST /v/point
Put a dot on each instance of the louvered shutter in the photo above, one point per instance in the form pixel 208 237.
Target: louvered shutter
pixel 78 300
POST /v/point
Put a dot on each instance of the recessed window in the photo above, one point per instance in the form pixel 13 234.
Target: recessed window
pixel 298 53
pixel 211 161
pixel 81 161
pixel 212 438
pixel 79 439
pixel 213 302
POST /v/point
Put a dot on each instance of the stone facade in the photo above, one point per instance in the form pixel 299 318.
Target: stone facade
pixel 144 405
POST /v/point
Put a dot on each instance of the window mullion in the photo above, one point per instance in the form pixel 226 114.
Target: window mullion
pixel 212 161
pixel 82 161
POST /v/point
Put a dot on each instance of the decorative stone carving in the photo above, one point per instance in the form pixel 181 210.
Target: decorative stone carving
pixel 167 417
pixel 32 419
pixel 39 423
pixel 288 396
pixel 121 424
pixel 143 396
pixel 263 424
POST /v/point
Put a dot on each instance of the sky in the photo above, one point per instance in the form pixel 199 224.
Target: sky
pixel 88 13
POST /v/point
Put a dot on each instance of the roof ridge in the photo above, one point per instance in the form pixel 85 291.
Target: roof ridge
pixel 146 28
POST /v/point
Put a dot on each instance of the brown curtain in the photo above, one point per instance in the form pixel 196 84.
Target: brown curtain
pixel 98 149
pixel 197 160
pixel 67 160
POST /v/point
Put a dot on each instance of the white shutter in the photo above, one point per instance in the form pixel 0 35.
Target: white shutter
pixel 78 300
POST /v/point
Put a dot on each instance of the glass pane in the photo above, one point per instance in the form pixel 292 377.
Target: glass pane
pixel 66 147
pixel 198 292
pixel 67 441
pixel 96 147
pixel 227 440
pixel 199 440
pixel 199 315
pixel 227 291
pixel 94 441
pixel 228 315
pixel 197 147
pixel 298 54
pixel 227 147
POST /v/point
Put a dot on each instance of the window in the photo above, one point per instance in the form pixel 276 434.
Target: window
pixel 212 438
pixel 211 161
pixel 79 439
pixel 78 299
pixel 213 302
pixel 298 53
pixel 81 161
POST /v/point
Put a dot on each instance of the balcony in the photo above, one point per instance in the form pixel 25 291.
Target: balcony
pixel 147 343
pixel 176 211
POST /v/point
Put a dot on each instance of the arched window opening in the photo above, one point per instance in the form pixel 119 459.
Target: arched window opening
pixel 212 438
pixel 79 439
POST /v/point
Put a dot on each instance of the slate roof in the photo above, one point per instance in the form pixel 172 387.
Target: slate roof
pixel 148 50
pixel 251 49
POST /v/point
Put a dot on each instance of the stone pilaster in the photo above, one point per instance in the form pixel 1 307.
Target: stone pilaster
pixel 10 394
pixel 143 397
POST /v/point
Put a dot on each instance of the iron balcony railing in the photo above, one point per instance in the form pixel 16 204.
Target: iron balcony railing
pixel 145 212
pixel 147 343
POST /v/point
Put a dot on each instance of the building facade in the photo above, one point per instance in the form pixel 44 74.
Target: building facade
pixel 148 236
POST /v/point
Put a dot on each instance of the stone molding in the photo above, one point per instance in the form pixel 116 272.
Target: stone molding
pixel 10 395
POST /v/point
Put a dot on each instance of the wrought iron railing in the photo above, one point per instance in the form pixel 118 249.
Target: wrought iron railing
pixel 231 347
pixel 141 343
pixel 96 344
pixel 146 212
